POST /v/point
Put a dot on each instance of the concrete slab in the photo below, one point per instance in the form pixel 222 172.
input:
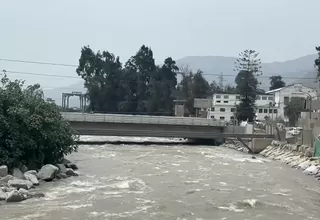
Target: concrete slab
pixel 259 144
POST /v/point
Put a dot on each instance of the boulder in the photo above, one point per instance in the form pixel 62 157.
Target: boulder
pixel 36 195
pixel 48 172
pixel 17 173
pixel 32 178
pixel 18 184
pixel 3 195
pixel 312 170
pixel 65 161
pixel 14 196
pixel 5 179
pixel 6 189
pixel 304 165
pixel 72 166
pixel 25 193
pixel 61 176
pixel 3 171
pixel 309 152
pixel 70 172
pixel 32 172
pixel 62 168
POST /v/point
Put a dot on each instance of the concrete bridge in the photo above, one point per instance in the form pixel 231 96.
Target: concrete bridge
pixel 155 126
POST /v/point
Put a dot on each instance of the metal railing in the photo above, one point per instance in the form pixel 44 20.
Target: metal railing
pixel 140 119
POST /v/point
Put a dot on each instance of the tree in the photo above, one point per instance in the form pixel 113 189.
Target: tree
pixel 32 130
pixel 248 61
pixel 249 66
pixel 317 62
pixel 276 82
pixel 293 110
pixel 102 73
pixel 247 87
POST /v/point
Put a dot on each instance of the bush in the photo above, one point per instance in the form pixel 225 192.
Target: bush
pixel 32 130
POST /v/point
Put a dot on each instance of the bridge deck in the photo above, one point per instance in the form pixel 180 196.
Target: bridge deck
pixel 140 119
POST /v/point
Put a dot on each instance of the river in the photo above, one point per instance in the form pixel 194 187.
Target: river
pixel 173 182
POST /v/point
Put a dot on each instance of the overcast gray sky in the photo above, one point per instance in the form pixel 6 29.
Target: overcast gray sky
pixel 55 31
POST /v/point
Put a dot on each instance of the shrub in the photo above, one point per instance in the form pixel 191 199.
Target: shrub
pixel 32 130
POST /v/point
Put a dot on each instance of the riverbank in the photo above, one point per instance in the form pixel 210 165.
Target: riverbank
pixel 294 155
pixel 19 184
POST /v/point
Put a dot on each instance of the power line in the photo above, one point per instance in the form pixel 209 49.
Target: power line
pixel 74 65
pixel 38 62
pixel 75 77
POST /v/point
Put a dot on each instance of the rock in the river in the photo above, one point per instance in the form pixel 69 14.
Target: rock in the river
pixel 48 172
pixel 36 195
pixel 312 170
pixel 14 196
pixel 72 166
pixel 62 168
pixel 70 172
pixel 304 165
pixel 17 183
pixel 17 173
pixel 33 172
pixel 3 195
pixel 23 192
pixel 32 178
pixel 3 171
pixel 61 176
pixel 5 179
pixel 65 161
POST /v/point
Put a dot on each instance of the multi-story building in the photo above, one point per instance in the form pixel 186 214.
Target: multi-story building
pixel 269 105
pixel 224 106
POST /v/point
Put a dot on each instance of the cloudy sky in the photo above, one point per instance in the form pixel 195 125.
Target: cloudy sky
pixel 55 31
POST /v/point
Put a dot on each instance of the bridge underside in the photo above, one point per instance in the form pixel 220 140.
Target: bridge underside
pixel 147 130
pixel 159 130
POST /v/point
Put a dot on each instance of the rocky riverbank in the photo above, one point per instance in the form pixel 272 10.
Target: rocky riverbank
pixel 18 184
pixel 295 155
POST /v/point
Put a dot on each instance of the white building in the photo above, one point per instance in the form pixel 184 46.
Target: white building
pixel 224 105
pixel 283 95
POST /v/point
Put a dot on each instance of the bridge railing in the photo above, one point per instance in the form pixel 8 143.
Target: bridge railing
pixel 140 119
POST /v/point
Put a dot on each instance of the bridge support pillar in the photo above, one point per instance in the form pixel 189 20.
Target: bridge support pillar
pixel 259 144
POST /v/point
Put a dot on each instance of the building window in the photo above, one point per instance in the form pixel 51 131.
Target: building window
pixel 212 109
pixel 222 109
pixel 218 96
pixel 212 116
pixel 221 118
pixel 264 97
pixel 233 109
pixel 275 111
pixel 218 101
pixel 286 100
pixel 225 96
pixel 225 101
pixel 260 110
pixel 265 110
pixel 237 97
pixel 270 111
pixel 270 98
pixel 231 118
pixel 258 97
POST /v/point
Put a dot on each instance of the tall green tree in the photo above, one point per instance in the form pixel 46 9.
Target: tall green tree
pixel 140 68
pixel 317 62
pixel 102 73
pixel 293 110
pixel 249 66
pixel 276 82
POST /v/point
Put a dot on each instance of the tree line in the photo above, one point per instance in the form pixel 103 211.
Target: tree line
pixel 139 86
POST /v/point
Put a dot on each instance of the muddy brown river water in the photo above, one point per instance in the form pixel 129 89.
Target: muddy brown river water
pixel 173 182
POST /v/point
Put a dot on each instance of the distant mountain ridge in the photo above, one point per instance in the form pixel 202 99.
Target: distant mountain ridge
pixel 300 70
